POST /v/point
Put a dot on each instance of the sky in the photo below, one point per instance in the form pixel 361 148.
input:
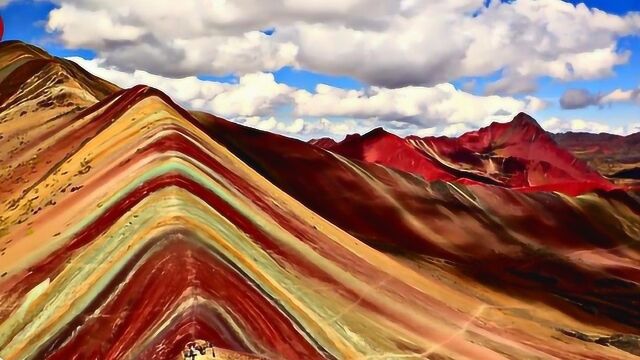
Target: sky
pixel 319 68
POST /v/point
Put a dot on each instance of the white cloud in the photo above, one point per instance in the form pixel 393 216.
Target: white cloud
pixel 259 123
pixel 258 100
pixel 387 43
pixel 163 37
pixel 535 104
pixel 330 128
pixel 557 125
pixel 426 132
pixel 633 128
pixel 81 26
pixel 305 128
pixel 257 97
pixel 524 39
pixel 456 129
pixel 255 94
pixel 424 106
pixel 620 95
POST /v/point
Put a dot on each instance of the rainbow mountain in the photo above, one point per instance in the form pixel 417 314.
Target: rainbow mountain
pixel 131 227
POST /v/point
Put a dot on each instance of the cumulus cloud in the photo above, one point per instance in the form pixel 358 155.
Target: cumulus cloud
pixel 579 99
pixel 456 129
pixel 163 37
pixel 307 128
pixel 385 43
pixel 333 128
pixel 582 98
pixel 557 125
pixel 620 95
pixel 426 132
pixel 255 94
pixel 512 84
pixel 535 104
pixel 424 106
pixel 256 98
pixel 633 128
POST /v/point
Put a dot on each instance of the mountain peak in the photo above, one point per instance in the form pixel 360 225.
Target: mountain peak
pixel 523 128
pixel 524 120
pixel 374 135
pixel 14 49
pixel 377 132
pixel 323 142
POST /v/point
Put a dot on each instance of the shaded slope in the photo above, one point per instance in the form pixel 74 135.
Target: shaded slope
pixel 632 173
pixel 403 215
pixel 40 97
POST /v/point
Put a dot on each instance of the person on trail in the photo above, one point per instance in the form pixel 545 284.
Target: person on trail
pixel 190 353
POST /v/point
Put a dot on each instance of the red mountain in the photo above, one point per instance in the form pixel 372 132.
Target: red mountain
pixel 323 142
pixel 518 154
pixel 381 147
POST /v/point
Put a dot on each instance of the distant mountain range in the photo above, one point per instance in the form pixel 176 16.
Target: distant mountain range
pixel 518 154
pixel 612 155
pixel 131 227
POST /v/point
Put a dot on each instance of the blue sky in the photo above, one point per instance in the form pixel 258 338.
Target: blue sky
pixel 58 30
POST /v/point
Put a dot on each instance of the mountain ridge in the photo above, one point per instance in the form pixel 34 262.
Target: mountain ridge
pixel 517 154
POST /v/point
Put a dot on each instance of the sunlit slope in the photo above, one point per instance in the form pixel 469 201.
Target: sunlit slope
pixel 40 98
